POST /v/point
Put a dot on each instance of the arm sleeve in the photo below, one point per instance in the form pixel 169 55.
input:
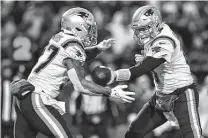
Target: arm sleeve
pixel 147 65
pixel 162 47
pixel 92 54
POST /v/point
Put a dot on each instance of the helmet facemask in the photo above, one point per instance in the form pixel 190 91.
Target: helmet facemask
pixel 143 34
pixel 90 39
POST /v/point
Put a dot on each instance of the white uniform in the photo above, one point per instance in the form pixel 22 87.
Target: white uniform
pixel 49 73
pixel 175 72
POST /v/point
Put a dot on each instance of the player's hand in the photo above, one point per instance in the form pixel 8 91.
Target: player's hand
pixel 125 96
pixel 139 58
pixel 105 44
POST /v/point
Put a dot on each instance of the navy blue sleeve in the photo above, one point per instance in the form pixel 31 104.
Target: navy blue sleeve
pixel 147 65
pixel 92 54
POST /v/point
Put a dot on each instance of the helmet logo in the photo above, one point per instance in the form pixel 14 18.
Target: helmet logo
pixel 149 12
pixel 83 15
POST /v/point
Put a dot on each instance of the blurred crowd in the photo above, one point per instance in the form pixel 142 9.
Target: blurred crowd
pixel 27 26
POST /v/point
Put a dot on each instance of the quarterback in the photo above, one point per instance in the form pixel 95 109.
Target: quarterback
pixel 176 98
pixel 62 61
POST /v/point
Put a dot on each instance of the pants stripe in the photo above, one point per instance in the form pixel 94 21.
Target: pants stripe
pixel 194 120
pixel 14 128
pixel 47 117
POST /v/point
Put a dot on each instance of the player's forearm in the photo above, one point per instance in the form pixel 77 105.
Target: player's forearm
pixel 96 88
pixel 75 80
pixel 79 87
pixel 149 64
pixel 91 94
pixel 92 53
pixel 144 67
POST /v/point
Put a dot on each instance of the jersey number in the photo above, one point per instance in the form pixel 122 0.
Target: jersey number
pixel 22 46
pixel 54 52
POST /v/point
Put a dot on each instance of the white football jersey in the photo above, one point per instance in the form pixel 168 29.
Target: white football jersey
pixel 50 74
pixel 175 72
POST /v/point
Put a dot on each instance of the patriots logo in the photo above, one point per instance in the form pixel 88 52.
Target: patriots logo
pixel 149 12
pixel 57 38
pixel 83 15
pixel 78 53
pixel 80 56
pixel 156 49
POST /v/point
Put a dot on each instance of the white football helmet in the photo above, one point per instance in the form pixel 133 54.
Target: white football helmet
pixel 81 23
pixel 146 24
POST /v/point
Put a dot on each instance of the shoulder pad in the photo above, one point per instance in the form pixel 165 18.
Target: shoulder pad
pixel 72 42
pixel 74 51
pixel 57 37
pixel 163 40
pixel 63 40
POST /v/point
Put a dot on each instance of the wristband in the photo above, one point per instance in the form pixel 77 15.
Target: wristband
pixel 123 75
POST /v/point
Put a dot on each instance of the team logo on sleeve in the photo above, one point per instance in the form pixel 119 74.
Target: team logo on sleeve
pixel 57 37
pixel 156 49
pixel 78 53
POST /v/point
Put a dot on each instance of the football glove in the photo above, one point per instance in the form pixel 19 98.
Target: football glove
pixel 125 96
pixel 21 88
pixel 105 44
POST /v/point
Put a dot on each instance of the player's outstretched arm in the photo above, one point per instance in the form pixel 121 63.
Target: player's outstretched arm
pixel 147 65
pixel 76 76
pixel 94 51
pixel 116 92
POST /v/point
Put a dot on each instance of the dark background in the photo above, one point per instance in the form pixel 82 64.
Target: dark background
pixel 30 24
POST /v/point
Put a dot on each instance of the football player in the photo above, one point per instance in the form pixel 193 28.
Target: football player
pixel 176 98
pixel 62 61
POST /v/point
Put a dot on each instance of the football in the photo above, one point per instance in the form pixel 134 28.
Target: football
pixel 101 75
